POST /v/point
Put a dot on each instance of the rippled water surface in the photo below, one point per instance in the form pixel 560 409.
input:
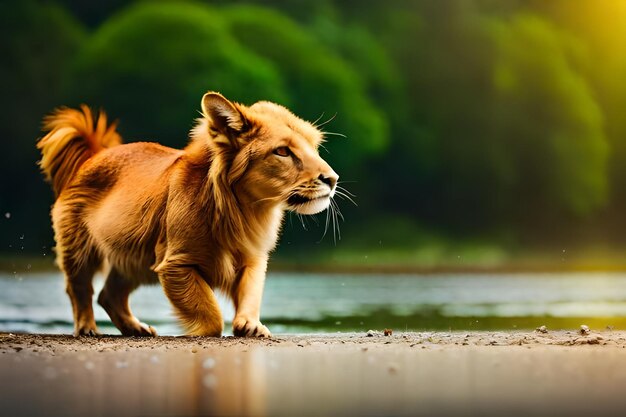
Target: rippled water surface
pixel 325 303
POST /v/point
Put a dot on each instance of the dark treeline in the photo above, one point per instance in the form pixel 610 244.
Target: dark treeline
pixel 495 120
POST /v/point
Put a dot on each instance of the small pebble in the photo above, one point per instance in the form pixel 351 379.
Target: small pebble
pixel 388 332
pixel 542 329
pixel 584 330
pixel 587 341
pixel 370 333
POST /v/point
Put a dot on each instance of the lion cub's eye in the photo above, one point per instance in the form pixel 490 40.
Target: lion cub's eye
pixel 282 151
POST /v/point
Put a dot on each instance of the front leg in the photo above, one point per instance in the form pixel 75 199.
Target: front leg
pixel 247 297
pixel 192 299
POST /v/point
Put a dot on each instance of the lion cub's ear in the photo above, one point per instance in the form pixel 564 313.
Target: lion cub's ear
pixel 225 120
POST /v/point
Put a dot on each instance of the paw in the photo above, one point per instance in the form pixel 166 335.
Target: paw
pixel 86 330
pixel 243 327
pixel 138 329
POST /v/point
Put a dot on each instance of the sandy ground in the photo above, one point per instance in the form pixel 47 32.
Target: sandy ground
pixel 406 374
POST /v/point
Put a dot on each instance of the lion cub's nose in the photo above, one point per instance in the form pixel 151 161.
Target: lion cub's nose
pixel 330 180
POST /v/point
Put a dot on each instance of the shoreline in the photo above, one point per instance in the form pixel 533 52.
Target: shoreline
pixel 62 343
pixel 26 265
pixel 58 343
pixel 375 262
pixel 406 374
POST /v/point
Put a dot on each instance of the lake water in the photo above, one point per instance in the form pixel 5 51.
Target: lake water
pixel 312 303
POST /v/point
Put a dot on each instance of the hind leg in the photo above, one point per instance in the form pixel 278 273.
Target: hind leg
pixel 79 261
pixel 79 276
pixel 114 299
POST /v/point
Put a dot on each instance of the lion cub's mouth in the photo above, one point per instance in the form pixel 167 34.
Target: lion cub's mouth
pixel 298 199
pixel 307 205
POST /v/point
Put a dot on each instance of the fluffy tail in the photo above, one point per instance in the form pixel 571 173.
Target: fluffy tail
pixel 73 137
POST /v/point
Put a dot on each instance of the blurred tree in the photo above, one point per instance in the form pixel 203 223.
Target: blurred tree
pixel 367 56
pixel 150 65
pixel 38 41
pixel 600 26
pixel 548 118
pixel 301 10
pixel 512 132
pixel 318 80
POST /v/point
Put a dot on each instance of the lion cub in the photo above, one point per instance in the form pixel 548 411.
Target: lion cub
pixel 196 220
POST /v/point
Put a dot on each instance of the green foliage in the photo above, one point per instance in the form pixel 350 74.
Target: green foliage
pixel 151 64
pixel 37 42
pixel 504 111
pixel 562 155
pixel 318 79
pixel 600 26
pixel 367 56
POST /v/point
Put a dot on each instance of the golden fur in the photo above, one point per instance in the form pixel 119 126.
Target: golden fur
pixel 196 220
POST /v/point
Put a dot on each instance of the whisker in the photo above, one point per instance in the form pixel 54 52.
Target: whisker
pixel 345 190
pixel 343 194
pixel 337 222
pixel 325 148
pixel 342 218
pixel 325 226
pixel 327 121
pixel 339 229
pixel 334 134
pixel 301 221
pixel 327 221
pixel 338 211
pixel 332 217
pixel 317 120
pixel 345 197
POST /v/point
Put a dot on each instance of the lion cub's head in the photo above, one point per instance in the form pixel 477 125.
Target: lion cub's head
pixel 270 155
